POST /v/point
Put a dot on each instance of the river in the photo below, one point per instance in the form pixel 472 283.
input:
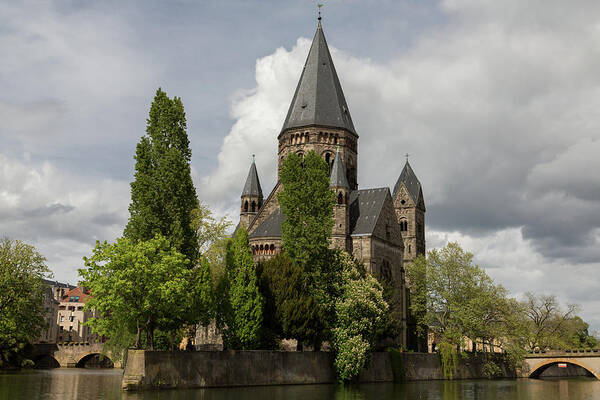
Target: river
pixel 87 384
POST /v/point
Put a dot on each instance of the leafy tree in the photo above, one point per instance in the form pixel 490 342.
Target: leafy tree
pixel 360 317
pixel 456 299
pixel 244 318
pixel 290 310
pixel 307 203
pixel 580 336
pixel 162 194
pixel 548 323
pixel 22 269
pixel 137 288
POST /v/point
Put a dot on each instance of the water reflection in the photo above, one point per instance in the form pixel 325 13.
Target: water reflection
pixel 84 384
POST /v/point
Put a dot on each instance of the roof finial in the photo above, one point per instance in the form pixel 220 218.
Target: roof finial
pixel 407 155
pixel 252 157
pixel 319 5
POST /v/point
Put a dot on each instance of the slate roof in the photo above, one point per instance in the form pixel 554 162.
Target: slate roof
pixel 365 208
pixel 252 185
pixel 411 182
pixel 338 173
pixel 58 284
pixel 271 226
pixel 319 99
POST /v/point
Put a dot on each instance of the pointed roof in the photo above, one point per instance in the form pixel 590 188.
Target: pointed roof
pixel 319 99
pixel 252 186
pixel 409 179
pixel 338 173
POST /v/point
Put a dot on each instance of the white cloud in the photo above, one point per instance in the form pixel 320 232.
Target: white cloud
pixel 498 108
pixel 61 213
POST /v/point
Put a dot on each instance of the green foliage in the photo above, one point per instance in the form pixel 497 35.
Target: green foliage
pixel 137 287
pixel 22 270
pixel 456 299
pixel 162 194
pixel 491 370
pixel 449 357
pixel 244 317
pixel 307 203
pixel 360 317
pixel 290 310
pixel 549 325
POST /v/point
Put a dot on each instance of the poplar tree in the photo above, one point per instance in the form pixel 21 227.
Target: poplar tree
pixel 244 324
pixel 307 203
pixel 162 193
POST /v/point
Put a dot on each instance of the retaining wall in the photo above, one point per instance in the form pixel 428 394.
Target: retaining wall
pixel 162 369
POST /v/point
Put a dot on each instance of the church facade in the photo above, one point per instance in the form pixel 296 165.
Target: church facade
pixel 383 229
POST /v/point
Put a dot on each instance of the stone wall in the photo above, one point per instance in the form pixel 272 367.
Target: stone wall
pixel 162 369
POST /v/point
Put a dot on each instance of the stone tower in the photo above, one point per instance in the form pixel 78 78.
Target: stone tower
pixel 410 210
pixel 252 197
pixel 341 213
pixel 318 118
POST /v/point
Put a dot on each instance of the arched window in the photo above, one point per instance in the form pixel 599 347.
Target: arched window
pixel 246 206
pixel 261 249
pixel 403 225
pixel 272 248
pixel 409 249
pixel 340 198
pixel 253 207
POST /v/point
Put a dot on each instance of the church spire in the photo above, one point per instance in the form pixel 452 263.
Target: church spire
pixel 410 181
pixel 319 99
pixel 252 186
pixel 338 173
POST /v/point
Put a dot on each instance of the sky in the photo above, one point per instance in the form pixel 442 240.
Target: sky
pixel 498 104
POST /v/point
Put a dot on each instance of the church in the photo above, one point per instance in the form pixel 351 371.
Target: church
pixel 384 230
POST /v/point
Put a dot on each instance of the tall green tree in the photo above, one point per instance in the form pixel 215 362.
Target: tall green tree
pixel 138 287
pixel 163 194
pixel 22 269
pixel 290 311
pixel 244 324
pixel 307 203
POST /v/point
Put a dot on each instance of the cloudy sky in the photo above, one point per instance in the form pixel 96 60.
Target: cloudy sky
pixel 498 103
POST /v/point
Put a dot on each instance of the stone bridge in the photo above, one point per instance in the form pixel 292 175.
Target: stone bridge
pixel 536 363
pixel 68 354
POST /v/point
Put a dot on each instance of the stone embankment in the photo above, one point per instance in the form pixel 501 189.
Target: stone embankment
pixel 163 370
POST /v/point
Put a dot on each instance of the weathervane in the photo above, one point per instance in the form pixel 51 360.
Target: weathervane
pixel 407 155
pixel 319 5
pixel 252 157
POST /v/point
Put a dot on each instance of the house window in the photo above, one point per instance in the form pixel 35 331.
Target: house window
pixel 62 318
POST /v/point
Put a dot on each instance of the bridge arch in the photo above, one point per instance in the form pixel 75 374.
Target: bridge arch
pixel 44 361
pixel 539 368
pixel 102 361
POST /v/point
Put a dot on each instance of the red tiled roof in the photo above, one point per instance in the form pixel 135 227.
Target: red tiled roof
pixel 84 297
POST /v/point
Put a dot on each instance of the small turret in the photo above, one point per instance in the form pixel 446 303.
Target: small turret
pixel 410 210
pixel 252 196
pixel 338 182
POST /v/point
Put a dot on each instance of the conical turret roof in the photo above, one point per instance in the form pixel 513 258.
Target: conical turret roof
pixel 319 99
pixel 252 186
pixel 409 179
pixel 338 173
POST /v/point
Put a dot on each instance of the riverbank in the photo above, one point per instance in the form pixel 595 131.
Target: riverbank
pixel 166 370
